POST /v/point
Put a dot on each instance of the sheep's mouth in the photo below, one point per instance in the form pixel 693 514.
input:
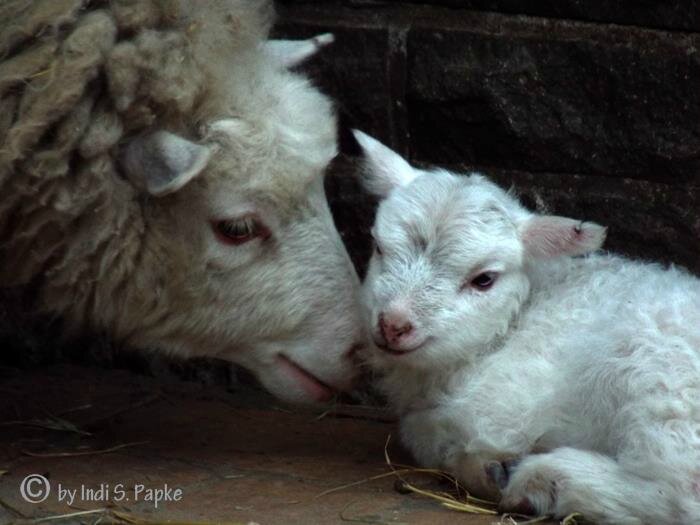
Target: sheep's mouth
pixel 313 386
pixel 385 348
pixel 388 350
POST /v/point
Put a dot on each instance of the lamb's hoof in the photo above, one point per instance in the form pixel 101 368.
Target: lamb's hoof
pixel 497 473
pixel 524 507
pixel 532 488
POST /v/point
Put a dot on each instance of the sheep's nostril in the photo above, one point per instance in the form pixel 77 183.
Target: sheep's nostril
pixel 393 327
pixel 403 330
pixel 393 332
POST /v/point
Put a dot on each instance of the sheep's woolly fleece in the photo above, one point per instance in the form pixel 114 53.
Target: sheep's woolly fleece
pixel 76 78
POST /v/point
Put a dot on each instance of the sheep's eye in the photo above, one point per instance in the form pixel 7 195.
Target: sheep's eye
pixel 241 230
pixel 483 281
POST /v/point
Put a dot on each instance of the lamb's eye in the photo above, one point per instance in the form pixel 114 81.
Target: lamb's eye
pixel 483 281
pixel 240 230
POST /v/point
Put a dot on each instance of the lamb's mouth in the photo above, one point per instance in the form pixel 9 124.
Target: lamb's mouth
pixel 313 386
pixel 385 348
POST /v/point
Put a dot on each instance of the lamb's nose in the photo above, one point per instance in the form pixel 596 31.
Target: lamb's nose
pixel 394 327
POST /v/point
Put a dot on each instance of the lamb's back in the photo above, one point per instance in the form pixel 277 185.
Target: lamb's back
pixel 608 299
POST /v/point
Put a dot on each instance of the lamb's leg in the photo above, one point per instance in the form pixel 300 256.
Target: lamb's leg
pixel 569 480
pixel 499 430
pixel 484 476
pixel 438 439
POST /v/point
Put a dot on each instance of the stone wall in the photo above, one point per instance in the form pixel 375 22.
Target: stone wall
pixel 592 112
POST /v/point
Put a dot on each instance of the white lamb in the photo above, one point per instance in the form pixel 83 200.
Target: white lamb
pixel 557 384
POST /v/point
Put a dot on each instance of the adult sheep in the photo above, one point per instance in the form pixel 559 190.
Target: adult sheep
pixel 161 180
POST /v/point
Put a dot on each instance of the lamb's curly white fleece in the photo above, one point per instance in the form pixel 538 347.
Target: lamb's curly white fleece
pixel 570 384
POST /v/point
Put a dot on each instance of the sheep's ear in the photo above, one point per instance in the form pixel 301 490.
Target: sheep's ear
pixel 290 53
pixel 162 162
pixel 546 236
pixel 384 169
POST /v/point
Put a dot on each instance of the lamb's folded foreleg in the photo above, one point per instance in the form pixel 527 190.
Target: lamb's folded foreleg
pixel 476 446
pixel 500 424
pixel 569 480
pixel 438 438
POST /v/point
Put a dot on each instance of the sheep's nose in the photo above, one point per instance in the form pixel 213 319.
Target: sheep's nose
pixel 394 327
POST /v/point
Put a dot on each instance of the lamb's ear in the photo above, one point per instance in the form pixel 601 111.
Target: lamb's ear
pixel 162 162
pixel 290 53
pixel 546 236
pixel 384 169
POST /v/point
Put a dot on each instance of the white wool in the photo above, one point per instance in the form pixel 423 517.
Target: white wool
pixel 130 131
pixel 572 384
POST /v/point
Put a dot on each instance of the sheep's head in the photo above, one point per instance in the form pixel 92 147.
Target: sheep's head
pixel 450 266
pixel 161 178
pixel 240 252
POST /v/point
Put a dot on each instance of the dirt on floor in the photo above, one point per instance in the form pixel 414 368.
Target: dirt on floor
pixel 118 447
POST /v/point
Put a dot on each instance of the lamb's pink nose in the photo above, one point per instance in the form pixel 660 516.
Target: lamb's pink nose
pixel 394 327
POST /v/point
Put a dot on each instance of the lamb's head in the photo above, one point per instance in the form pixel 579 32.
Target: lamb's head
pixel 240 257
pixel 450 266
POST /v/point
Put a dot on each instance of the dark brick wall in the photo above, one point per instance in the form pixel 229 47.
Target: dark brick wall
pixel 592 112
pixel 678 15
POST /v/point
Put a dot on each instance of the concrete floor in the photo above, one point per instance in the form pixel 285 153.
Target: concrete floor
pixel 236 457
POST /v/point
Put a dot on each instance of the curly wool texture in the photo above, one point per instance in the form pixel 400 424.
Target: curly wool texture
pixel 131 133
pixel 77 78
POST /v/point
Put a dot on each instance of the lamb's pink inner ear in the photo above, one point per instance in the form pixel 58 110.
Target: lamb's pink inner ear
pixel 547 236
